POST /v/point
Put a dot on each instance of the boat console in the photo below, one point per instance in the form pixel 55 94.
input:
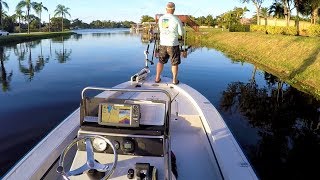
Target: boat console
pixel 121 138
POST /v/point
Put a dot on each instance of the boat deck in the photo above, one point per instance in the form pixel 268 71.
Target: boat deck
pixel 202 143
pixel 188 137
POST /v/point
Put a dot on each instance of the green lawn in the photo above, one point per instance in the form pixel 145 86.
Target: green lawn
pixel 23 37
pixel 294 59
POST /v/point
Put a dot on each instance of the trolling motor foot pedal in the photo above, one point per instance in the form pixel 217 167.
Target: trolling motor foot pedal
pixel 146 172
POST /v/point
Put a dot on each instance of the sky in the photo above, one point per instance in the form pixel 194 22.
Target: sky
pixel 132 10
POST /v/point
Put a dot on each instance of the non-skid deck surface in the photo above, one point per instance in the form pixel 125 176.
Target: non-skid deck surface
pixel 188 143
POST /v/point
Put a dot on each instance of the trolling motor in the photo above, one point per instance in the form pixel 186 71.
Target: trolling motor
pixel 143 73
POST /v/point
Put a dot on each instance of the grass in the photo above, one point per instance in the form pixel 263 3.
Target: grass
pixel 294 59
pixel 24 37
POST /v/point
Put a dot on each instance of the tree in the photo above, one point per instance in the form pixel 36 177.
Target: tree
pixel 76 23
pixel 316 11
pixel 231 17
pixel 314 6
pixel 63 11
pixel 287 9
pixel 201 20
pixel 38 8
pixel 257 4
pixel 34 24
pixel 8 24
pixel 209 20
pixel 56 23
pixel 298 4
pixel 240 12
pixel 276 10
pixel 146 18
pixel 2 4
pixel 264 14
pixel 28 4
pixel 18 14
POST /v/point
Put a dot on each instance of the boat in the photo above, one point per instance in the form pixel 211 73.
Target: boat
pixel 138 129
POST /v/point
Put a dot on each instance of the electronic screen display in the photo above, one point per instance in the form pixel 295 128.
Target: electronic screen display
pixel 115 114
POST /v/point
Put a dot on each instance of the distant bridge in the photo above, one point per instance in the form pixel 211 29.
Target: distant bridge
pixel 184 19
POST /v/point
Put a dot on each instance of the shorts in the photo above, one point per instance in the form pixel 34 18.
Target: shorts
pixel 172 52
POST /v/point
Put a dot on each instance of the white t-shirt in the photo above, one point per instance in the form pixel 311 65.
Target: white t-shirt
pixel 170 28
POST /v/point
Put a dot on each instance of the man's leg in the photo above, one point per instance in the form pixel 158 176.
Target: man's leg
pixel 174 69
pixel 175 61
pixel 159 71
pixel 163 59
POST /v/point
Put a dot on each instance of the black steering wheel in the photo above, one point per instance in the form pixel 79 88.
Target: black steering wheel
pixel 91 164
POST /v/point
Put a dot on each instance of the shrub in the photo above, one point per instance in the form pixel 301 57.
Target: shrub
pixel 274 29
pixel 257 28
pixel 313 30
pixel 239 28
pixel 290 31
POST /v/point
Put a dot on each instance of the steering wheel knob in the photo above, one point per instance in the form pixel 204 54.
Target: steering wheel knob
pixel 90 164
pixel 60 169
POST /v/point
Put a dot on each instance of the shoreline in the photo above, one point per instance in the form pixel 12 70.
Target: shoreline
pixel 24 37
pixel 293 59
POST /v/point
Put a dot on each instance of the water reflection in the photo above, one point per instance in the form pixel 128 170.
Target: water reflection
pixel 61 39
pixel 63 55
pixel 288 126
pixel 30 67
pixel 30 63
pixel 20 51
pixel 5 77
pixel 109 34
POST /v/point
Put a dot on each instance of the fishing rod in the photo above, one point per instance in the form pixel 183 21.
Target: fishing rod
pixel 154 46
pixel 146 53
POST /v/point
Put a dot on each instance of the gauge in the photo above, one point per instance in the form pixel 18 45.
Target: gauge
pixel 128 146
pixel 99 144
pixel 116 144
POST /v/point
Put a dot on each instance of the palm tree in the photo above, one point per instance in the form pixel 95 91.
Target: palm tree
pixel 240 12
pixel 38 8
pixel 264 13
pixel 61 10
pixel 298 4
pixel 2 4
pixel 28 4
pixel 287 11
pixel 315 7
pixel 20 16
pixel 257 4
pixel 277 11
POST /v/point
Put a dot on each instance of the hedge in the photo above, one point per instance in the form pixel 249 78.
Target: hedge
pixel 313 30
pixel 274 29
pixel 239 28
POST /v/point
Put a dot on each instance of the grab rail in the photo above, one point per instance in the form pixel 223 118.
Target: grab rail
pixel 134 90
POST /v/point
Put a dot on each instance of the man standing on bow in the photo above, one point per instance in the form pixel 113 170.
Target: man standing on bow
pixel 170 28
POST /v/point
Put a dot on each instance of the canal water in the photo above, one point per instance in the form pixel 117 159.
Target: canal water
pixel 276 125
